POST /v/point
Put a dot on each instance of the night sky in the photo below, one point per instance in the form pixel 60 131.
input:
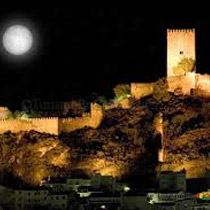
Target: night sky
pixel 89 49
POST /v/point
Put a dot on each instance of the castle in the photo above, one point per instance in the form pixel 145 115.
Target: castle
pixel 181 77
pixel 181 67
pixel 181 72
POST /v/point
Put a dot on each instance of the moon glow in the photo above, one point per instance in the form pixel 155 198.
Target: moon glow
pixel 17 40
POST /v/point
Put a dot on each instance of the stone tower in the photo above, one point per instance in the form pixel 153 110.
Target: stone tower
pixel 181 51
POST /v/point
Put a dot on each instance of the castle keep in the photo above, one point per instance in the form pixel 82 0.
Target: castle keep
pixel 181 67
pixel 180 46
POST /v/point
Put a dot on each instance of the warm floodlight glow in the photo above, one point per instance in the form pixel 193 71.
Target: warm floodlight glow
pixel 17 40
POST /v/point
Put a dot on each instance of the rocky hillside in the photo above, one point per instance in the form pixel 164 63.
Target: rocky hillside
pixel 125 145
pixel 119 148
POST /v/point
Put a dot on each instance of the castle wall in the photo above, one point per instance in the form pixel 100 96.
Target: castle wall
pixel 185 82
pixel 45 125
pixel 92 120
pixel 203 82
pixel 125 103
pixel 54 125
pixel 180 44
pixel 199 83
pixel 97 115
pixel 139 90
pixel 42 125
pixel 68 125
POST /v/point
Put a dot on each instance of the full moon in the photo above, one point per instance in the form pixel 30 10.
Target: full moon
pixel 17 40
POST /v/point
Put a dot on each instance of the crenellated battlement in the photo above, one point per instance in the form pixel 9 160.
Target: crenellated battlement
pixel 86 115
pixel 54 125
pixel 44 125
pixel 31 119
pixel 189 30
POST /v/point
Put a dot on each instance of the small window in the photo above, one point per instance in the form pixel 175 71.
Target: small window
pixel 181 52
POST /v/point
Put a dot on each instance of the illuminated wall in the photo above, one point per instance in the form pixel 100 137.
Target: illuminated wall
pixel 184 82
pixel 180 44
pixel 92 119
pixel 199 83
pixel 139 90
pixel 44 125
pixel 203 82
pixel 68 125
pixel 159 127
pixel 54 125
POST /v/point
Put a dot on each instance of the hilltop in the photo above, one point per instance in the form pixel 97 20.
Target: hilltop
pixel 124 145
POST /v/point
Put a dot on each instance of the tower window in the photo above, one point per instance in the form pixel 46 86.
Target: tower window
pixel 181 52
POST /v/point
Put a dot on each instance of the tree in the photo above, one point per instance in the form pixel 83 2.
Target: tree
pixel 184 66
pixel 9 115
pixel 161 91
pixel 121 91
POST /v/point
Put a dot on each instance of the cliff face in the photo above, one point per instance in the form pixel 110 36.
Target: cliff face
pixel 186 136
